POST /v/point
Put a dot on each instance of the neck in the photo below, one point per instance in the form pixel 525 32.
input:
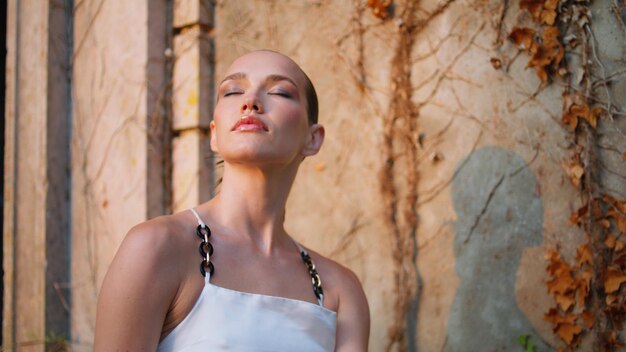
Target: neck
pixel 251 203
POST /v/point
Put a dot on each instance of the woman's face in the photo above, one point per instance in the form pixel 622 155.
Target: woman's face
pixel 261 116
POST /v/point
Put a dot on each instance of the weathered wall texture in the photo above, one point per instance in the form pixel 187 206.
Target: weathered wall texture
pixel 117 74
pixel 442 193
pixel 36 255
pixel 446 174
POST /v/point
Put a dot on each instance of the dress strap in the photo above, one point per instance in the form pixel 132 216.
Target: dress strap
pixel 315 277
pixel 205 248
pixel 200 222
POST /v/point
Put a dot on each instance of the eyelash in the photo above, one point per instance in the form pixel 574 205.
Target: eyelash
pixel 279 93
pixel 282 94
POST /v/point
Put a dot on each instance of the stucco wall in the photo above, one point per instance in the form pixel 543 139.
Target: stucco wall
pixel 487 145
pixel 442 181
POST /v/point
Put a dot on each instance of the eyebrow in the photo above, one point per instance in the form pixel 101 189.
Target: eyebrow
pixel 234 77
pixel 278 78
pixel 273 78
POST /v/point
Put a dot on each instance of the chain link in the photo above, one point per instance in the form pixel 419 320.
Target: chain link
pixel 205 249
pixel 315 278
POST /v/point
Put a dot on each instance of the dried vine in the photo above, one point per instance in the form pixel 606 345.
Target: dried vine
pixel 399 181
pixel 401 111
pixel 590 294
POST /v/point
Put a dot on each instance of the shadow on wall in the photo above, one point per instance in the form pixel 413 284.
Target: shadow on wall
pixel 499 214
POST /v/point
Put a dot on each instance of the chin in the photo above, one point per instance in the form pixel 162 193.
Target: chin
pixel 257 157
pixel 258 152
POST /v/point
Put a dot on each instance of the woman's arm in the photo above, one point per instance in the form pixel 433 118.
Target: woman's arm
pixel 136 292
pixel 353 315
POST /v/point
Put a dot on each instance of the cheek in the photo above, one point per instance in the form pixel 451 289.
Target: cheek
pixel 295 116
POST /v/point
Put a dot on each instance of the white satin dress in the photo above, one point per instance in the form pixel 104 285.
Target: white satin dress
pixel 227 320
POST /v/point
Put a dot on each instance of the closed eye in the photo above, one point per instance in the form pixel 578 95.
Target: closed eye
pixel 234 92
pixel 280 93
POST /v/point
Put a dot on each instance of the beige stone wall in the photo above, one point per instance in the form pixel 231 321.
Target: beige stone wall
pixel 35 244
pixel 31 104
pixel 440 183
pixel 335 206
pixel 115 90
pixel 462 107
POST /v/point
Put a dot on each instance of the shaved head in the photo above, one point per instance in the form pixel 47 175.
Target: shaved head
pixel 309 89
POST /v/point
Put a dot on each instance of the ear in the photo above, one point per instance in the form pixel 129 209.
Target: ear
pixel 314 141
pixel 213 137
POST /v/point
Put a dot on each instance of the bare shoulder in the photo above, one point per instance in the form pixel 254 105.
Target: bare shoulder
pixel 336 275
pixel 348 299
pixel 155 237
pixel 139 286
pixel 160 228
pixel 154 246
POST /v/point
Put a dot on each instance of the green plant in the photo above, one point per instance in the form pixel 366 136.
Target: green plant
pixel 526 342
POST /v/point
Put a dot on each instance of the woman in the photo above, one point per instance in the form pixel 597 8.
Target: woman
pixel 254 288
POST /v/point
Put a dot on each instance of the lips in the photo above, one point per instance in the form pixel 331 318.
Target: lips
pixel 249 124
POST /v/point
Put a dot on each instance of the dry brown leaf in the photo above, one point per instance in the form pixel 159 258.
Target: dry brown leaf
pixel 522 37
pixel 577 216
pixel 621 224
pixel 567 332
pixel 583 112
pixel 380 8
pixel 583 255
pixel 541 62
pixel 596 210
pixel 542 11
pixel 542 73
pixel 551 4
pixel 619 246
pixel 555 263
pixel 610 299
pixel 621 206
pixel 588 319
pixel 565 301
pixel 604 223
pixel 496 63
pixel 620 220
pixel 570 117
pixel 552 255
pixel 610 241
pixel 613 279
pixel 554 317
pixel 562 283
pixel 547 56
pixel 574 170
pixel 614 342
pixel 535 7
pixel 595 115
pixel 550 37
pixel 556 268
pixel 548 17
pixel 583 286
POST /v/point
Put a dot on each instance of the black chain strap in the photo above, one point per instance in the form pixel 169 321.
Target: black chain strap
pixel 205 249
pixel 315 278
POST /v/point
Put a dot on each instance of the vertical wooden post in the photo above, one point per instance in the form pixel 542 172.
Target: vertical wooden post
pixel 192 101
pixel 118 139
pixel 36 235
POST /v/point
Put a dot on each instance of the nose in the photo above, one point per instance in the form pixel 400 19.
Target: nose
pixel 251 103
